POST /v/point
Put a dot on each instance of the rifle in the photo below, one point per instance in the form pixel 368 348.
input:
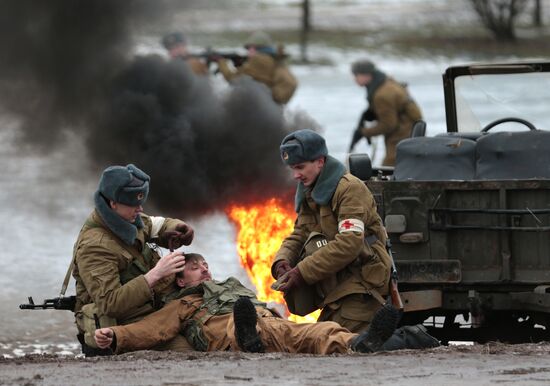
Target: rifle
pixel 212 56
pixel 367 115
pixel 394 291
pixel 59 303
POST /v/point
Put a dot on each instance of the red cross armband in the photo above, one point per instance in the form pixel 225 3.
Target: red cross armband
pixel 351 225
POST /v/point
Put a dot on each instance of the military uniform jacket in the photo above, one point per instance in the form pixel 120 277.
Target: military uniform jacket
pixel 347 264
pixel 396 112
pixel 265 69
pixel 197 66
pixel 109 273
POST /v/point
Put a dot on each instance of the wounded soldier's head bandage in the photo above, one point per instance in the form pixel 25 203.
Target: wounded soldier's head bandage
pixel 351 225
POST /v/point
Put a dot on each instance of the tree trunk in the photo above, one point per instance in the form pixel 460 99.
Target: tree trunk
pixel 537 14
pixel 306 28
pixel 499 16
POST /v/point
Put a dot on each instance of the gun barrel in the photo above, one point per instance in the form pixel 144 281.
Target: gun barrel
pixel 394 290
pixel 60 303
pixel 35 306
pixel 395 296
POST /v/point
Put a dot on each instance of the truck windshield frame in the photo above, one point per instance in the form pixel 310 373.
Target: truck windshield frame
pixel 477 95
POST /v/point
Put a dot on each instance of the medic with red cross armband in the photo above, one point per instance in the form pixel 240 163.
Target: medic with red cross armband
pixel 335 259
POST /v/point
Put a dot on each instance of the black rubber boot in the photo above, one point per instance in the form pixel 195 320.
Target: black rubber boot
pixel 245 317
pixel 382 326
pixel 410 337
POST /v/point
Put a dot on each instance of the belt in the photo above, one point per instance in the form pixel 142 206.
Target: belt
pixel 371 239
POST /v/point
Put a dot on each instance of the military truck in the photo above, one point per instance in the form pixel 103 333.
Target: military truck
pixel 468 210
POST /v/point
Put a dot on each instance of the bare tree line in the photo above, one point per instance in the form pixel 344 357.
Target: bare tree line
pixel 498 16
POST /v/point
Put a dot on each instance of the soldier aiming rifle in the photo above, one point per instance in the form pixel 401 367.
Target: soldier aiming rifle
pixel 212 56
pixel 264 63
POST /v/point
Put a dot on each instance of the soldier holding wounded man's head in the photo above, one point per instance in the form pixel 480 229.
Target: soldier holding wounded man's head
pixel 119 277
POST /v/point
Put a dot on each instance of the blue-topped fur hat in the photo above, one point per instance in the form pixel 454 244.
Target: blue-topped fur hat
pixel 127 185
pixel 302 146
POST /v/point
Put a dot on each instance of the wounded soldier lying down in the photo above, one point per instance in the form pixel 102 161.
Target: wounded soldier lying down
pixel 225 315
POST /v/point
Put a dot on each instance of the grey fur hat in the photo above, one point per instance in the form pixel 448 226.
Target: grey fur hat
pixel 172 39
pixel 363 67
pixel 127 185
pixel 258 39
pixel 301 146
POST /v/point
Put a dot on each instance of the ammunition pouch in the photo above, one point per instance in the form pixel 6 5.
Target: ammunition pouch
pixel 192 331
pixel 372 272
pixel 303 301
pixel 306 299
pixel 86 322
pixel 90 351
pixel 412 111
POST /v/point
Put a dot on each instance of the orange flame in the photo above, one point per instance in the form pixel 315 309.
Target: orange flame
pixel 261 230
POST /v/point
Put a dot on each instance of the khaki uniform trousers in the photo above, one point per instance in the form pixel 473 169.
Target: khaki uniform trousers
pixel 281 335
pixel 353 312
pixel 158 330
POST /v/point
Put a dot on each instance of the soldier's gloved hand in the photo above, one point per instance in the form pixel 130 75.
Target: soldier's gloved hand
pixel 215 58
pixel 294 279
pixel 366 131
pixel 281 268
pixel 187 233
pixel 183 235
pixel 369 115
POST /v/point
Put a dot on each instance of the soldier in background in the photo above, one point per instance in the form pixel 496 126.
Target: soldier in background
pixel 176 45
pixel 265 64
pixel 391 108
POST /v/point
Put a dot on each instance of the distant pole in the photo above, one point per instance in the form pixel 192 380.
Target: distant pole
pixel 306 27
pixel 537 14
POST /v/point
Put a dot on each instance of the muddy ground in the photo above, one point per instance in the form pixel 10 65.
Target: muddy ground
pixel 490 364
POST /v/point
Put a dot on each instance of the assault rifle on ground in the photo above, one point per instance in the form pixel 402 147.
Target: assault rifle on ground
pixel 59 303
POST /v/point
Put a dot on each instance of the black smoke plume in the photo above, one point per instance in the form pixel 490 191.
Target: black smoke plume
pixel 57 61
pixel 202 150
pixel 66 67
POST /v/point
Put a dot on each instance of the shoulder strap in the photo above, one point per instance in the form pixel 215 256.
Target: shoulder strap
pixel 67 278
pixel 90 224
pixel 146 254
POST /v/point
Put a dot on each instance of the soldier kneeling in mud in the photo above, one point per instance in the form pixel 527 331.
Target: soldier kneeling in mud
pixel 225 315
